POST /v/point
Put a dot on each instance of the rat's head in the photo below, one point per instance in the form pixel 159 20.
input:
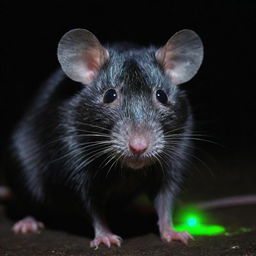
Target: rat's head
pixel 132 96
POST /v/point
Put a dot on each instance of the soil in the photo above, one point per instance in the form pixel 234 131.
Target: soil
pixel 220 179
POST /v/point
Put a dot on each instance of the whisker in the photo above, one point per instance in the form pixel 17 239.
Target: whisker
pixel 107 160
pixel 115 162
pixel 91 134
pixel 111 156
pixel 92 158
pixel 71 152
pixel 171 152
pixel 193 139
pixel 92 125
pixel 159 161
pixel 38 148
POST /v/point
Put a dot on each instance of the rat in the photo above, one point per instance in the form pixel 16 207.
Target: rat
pixel 111 123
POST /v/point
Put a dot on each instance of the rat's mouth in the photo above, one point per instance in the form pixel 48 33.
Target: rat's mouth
pixel 138 162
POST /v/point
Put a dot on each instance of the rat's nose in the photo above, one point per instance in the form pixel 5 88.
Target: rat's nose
pixel 138 145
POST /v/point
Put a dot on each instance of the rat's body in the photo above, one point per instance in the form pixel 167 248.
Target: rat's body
pixel 123 131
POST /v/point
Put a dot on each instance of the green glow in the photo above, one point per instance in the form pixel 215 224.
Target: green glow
pixel 199 229
pixel 190 219
pixel 237 231
pixel 194 221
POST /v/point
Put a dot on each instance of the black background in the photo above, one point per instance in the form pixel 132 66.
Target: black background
pixel 222 93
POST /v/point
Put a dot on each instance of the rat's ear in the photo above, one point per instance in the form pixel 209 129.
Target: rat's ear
pixel 81 55
pixel 182 56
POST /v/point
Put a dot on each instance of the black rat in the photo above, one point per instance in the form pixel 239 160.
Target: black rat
pixel 110 124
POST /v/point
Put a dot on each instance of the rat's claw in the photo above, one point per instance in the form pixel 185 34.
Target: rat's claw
pixel 107 239
pixel 27 225
pixel 170 235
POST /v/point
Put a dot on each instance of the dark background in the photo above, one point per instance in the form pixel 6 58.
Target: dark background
pixel 222 93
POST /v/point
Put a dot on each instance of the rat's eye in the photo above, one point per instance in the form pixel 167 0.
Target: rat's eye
pixel 110 96
pixel 161 96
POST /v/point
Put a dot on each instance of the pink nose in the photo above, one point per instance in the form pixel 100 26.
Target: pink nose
pixel 138 145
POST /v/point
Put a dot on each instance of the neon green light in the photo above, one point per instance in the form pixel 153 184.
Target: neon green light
pixel 209 230
pixel 194 222
pixel 190 219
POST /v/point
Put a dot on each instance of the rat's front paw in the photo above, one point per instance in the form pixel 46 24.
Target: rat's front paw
pixel 27 225
pixel 107 239
pixel 169 235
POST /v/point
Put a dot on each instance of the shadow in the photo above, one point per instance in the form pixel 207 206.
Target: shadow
pixel 128 221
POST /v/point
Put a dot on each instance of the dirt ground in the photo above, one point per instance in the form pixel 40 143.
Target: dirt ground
pixel 233 176
pixel 57 243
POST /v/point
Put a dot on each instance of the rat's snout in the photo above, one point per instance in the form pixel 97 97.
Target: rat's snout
pixel 138 144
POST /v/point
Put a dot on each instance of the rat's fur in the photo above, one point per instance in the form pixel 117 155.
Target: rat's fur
pixel 72 147
pixel 50 147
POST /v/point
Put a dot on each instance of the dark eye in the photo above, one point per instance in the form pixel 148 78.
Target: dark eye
pixel 110 96
pixel 161 96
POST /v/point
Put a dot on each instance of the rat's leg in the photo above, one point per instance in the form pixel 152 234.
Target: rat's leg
pixel 27 225
pixel 163 205
pixel 103 233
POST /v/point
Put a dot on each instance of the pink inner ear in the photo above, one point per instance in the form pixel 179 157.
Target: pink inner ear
pixel 81 55
pixel 93 60
pixel 160 54
pixel 181 56
pixel 164 57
